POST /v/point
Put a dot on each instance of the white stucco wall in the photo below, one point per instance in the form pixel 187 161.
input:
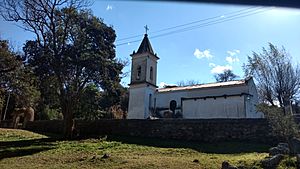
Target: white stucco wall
pixel 239 106
pixel 145 61
pixel 252 101
pixel 151 62
pixel 164 98
pixel 139 101
pixel 136 62
pixel 135 110
pixel 231 107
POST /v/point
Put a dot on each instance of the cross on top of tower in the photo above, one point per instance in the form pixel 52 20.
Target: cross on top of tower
pixel 146 29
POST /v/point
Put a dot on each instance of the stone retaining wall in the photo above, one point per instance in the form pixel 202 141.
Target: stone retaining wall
pixel 206 130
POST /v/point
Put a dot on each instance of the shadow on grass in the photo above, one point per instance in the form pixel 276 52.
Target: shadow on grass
pixel 218 148
pixel 22 152
pixel 25 143
pixel 10 149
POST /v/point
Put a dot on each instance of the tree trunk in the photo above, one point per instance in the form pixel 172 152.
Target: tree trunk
pixel 68 119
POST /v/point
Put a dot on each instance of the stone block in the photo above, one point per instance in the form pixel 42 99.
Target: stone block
pixel 282 148
pixel 272 163
pixel 226 165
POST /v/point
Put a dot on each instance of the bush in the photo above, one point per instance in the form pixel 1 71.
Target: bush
pixel 283 125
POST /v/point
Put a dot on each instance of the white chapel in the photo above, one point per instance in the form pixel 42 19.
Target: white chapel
pixel 232 99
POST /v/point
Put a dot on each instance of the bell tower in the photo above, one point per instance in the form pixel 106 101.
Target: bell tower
pixel 142 85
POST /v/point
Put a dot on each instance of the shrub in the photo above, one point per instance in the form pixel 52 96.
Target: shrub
pixel 283 125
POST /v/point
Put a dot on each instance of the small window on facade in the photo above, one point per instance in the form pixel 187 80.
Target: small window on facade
pixel 173 105
pixel 151 73
pixel 150 100
pixel 139 71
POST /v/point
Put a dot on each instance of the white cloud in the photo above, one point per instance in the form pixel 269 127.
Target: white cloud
pixel 212 65
pixel 233 52
pixel 232 56
pixel 231 60
pixel 109 7
pixel 220 69
pixel 202 54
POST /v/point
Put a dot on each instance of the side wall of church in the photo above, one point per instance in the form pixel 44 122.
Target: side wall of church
pixel 219 107
pixel 230 107
pixel 252 101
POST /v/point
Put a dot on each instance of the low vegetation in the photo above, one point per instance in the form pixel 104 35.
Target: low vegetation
pixel 24 149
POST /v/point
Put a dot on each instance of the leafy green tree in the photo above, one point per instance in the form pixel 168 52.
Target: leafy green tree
pixel 96 104
pixel 2 96
pixel 48 105
pixel 72 46
pixel 8 63
pixel 50 113
pixel 8 60
pixel 116 105
pixel 124 100
pixel 16 78
pixel 89 107
pixel 226 76
pixel 277 78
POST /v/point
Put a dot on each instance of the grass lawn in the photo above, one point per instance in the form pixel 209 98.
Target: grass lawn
pixel 24 149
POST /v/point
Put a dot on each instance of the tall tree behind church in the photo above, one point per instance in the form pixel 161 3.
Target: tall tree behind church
pixel 71 45
pixel 278 79
pixel 226 76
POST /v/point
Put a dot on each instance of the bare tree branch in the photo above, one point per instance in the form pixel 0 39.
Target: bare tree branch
pixel 278 80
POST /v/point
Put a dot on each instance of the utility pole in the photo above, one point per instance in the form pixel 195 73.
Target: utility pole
pixel 6 106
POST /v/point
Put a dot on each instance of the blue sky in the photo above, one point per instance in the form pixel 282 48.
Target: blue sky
pixel 194 54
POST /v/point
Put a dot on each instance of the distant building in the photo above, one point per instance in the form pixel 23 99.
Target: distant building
pixel 233 99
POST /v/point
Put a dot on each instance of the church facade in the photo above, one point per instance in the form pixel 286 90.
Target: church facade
pixel 233 99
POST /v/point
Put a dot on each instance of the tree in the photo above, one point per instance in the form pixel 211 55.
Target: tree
pixel 96 104
pixel 48 106
pixel 16 78
pixel 277 78
pixel 71 45
pixel 188 83
pixel 8 63
pixel 89 106
pixel 226 76
pixel 283 125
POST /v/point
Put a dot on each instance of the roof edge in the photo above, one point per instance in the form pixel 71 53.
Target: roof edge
pixel 194 87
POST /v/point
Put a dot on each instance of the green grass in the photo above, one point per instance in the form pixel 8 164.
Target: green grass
pixel 24 149
pixel 17 135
